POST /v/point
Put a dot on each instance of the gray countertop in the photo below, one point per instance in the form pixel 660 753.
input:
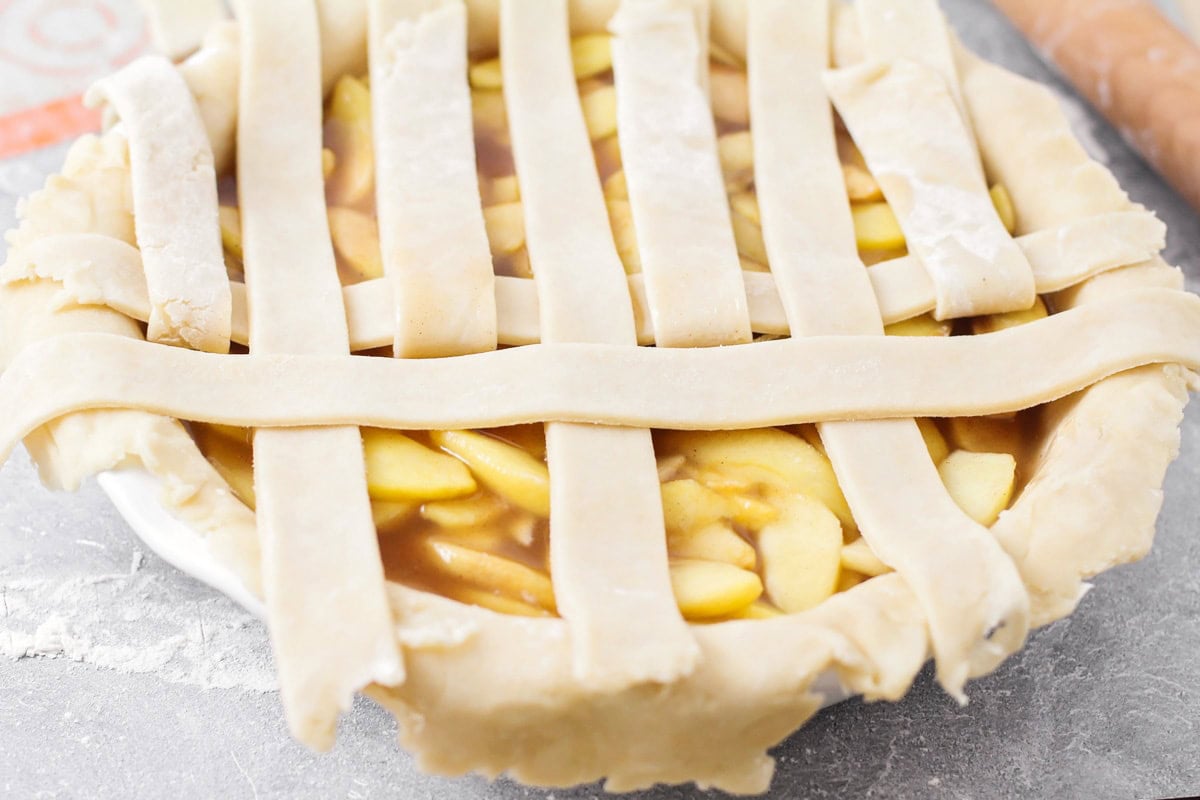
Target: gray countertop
pixel 154 686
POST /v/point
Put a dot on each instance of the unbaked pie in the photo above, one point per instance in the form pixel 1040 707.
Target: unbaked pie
pixel 678 399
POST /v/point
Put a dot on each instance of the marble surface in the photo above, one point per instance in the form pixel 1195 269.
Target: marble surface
pixel 1101 705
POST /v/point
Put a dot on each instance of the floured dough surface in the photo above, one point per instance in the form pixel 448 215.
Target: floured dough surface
pixel 894 377
pixel 331 628
pixel 927 166
pixel 608 551
pixel 680 211
pixel 174 204
pixel 435 248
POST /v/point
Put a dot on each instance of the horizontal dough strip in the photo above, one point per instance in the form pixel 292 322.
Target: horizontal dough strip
pixel 834 378
pixel 98 270
pixel 174 188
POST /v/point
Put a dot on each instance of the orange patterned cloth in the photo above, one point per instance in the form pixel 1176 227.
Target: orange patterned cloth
pixel 50 51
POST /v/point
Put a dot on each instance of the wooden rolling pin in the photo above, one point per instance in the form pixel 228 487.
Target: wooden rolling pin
pixel 1134 66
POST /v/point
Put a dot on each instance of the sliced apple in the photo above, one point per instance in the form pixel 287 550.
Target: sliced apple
pixel 388 514
pixel 765 457
pixel 591 55
pixel 861 185
pixel 505 228
pixel 876 227
pixel 600 112
pixel 496 191
pixel 402 469
pixel 801 554
pixel 486 74
pixel 241 436
pixel 489 114
pixel 715 542
pixel 730 95
pixel 466 512
pixel 708 589
pixel 746 204
pixel 1013 319
pixel 935 442
pixel 688 505
pixel 488 571
pixel 859 557
pixel 530 437
pixel 620 215
pixel 616 187
pixel 981 483
pixel 924 325
pixel 492 601
pixel 231 230
pixel 1002 200
pixel 349 136
pixel 809 433
pixel 986 434
pixel 484 539
pixel 507 470
pixel 759 609
pixel 356 239
pixel 231 459
pixel 736 151
pixel 749 238
pixel 750 512
pixel 848 580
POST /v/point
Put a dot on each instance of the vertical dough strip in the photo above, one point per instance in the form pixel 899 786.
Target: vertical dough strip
pixel 431 229
pixel 915 30
pixel 927 162
pixel 174 203
pixel 978 609
pixel 928 168
pixel 608 552
pixel 331 625
pixel 690 264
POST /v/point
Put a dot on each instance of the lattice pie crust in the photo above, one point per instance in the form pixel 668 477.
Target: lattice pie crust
pixel 619 686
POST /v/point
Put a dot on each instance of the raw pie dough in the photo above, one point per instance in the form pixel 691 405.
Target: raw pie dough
pixel 620 687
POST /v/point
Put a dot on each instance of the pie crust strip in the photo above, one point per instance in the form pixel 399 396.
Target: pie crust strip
pixel 100 270
pixel 872 636
pixel 329 618
pixel 831 378
pixel 431 229
pixel 915 30
pixel 177 27
pixel 904 120
pixel 1093 500
pixel 608 554
pixel 690 266
pixel 174 203
pixel 212 76
pixel 965 582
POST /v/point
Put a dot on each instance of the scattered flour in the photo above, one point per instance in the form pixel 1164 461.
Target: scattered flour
pixel 131 622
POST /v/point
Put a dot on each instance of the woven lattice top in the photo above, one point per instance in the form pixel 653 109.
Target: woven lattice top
pixel 621 684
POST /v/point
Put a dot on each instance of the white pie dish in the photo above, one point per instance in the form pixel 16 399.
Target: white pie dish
pixel 136 494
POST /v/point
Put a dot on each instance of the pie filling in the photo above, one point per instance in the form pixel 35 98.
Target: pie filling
pixel 756 523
